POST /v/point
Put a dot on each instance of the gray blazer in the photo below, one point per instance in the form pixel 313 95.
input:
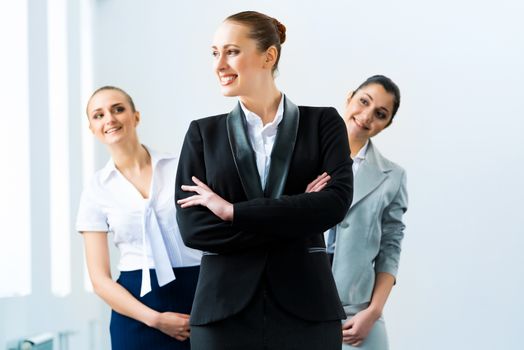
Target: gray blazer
pixel 368 239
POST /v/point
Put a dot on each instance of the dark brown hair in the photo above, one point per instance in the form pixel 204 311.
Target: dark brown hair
pixel 388 85
pixel 265 30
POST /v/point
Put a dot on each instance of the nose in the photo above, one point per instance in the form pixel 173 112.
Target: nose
pixel 110 118
pixel 221 63
pixel 366 116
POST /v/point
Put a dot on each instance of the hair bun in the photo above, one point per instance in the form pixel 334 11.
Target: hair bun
pixel 281 30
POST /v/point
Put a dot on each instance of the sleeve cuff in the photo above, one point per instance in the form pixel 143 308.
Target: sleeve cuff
pixel 390 268
pixel 81 228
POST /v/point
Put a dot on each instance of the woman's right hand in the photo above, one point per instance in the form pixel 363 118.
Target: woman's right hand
pixel 173 324
pixel 319 183
pixel 356 329
pixel 206 197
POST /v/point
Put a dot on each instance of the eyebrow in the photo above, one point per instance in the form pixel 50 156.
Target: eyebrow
pixel 113 105
pixel 371 98
pixel 225 46
pixel 384 108
pixel 368 95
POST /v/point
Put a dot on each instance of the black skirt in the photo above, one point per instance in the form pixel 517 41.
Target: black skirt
pixel 176 296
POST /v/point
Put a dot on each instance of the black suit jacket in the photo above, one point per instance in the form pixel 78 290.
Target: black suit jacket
pixel 276 233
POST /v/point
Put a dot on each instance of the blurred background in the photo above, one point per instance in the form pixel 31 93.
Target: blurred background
pixel 458 133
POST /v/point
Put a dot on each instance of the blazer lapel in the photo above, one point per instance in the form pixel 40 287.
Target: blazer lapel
pixel 282 150
pixel 371 173
pixel 243 153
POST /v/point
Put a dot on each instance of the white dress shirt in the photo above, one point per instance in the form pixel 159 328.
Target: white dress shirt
pixel 359 158
pixel 144 229
pixel 262 138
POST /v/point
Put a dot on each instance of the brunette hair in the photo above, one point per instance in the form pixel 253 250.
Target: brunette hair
pixel 109 87
pixel 265 30
pixel 388 85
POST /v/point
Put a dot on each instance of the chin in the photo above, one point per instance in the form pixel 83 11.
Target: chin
pixel 112 140
pixel 353 132
pixel 229 93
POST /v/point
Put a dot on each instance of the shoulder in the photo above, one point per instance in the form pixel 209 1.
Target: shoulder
pixel 95 188
pixel 210 121
pixel 320 116
pixel 164 162
pixel 206 127
pixel 318 111
pixel 393 166
pixel 399 173
pixel 99 179
pixel 161 156
pixel 387 164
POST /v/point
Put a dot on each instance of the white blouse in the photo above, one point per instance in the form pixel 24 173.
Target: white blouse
pixel 263 137
pixel 359 158
pixel 144 230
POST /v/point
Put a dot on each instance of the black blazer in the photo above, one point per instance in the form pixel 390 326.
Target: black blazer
pixel 276 233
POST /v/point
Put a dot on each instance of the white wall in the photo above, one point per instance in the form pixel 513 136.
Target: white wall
pixel 458 132
pixel 80 312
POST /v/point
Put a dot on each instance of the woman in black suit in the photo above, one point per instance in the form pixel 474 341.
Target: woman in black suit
pixel 265 280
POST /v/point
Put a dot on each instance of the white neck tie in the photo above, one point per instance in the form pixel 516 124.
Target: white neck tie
pixel 151 232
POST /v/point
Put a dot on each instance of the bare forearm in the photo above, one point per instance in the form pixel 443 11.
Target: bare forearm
pixel 383 284
pixel 120 300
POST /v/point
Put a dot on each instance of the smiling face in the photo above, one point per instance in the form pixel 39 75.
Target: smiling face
pixel 111 117
pixel 238 63
pixel 368 111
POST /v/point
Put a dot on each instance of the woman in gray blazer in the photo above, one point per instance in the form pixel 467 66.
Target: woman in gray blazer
pixel 366 243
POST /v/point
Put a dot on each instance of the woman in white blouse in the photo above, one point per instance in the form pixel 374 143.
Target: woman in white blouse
pixel 132 198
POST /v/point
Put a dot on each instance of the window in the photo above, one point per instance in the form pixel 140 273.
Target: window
pixel 15 250
pixel 59 148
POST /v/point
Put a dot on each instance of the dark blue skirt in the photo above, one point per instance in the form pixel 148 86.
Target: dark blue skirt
pixel 177 296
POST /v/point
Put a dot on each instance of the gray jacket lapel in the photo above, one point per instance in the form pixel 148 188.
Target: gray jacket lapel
pixel 243 153
pixel 282 150
pixel 371 173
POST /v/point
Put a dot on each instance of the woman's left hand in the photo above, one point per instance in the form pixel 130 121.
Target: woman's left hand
pixel 206 197
pixel 356 329
pixel 319 183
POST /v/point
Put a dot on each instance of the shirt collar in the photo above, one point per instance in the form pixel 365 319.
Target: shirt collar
pixel 361 155
pixel 110 168
pixel 253 119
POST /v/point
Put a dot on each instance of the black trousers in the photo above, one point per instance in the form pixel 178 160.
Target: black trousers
pixel 264 325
